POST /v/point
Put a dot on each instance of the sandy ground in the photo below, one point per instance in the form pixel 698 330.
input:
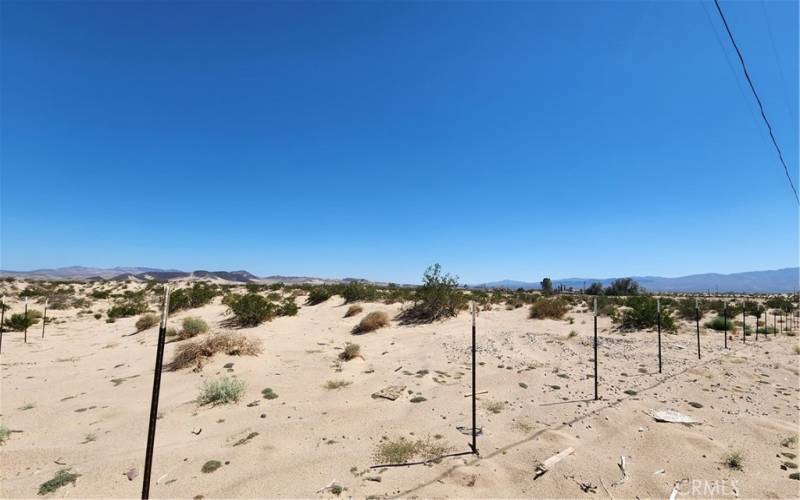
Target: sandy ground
pixel 745 399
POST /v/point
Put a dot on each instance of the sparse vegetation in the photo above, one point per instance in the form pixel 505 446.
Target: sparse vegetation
pixel 336 384
pixel 642 312
pixel 211 466
pixel 356 291
pixel 720 323
pixel 371 322
pixel 221 391
pixel 21 321
pixel 192 327
pixel 351 351
pixel 438 298
pixel 198 295
pixel 402 450
pixel 549 308
pixel 5 433
pixel 318 295
pixel 252 310
pixel 146 321
pixel 232 344
pixel 62 478
pixel 353 310
pixel 494 406
pixel 268 393
pixel 733 460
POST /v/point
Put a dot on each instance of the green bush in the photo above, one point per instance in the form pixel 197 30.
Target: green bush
pixel 318 295
pixel 126 308
pixel 686 310
pixel 288 307
pixel 437 298
pixel 719 323
pixel 549 308
pixel 252 310
pixel 355 291
pixel 198 295
pixel 21 321
pixel 146 321
pixel 100 294
pixel 623 286
pixel 192 327
pixel 642 312
pixel 221 391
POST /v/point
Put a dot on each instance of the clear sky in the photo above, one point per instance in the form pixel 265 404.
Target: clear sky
pixel 503 140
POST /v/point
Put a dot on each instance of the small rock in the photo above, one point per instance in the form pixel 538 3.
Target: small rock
pixel 253 403
pixel 263 415
pixel 132 473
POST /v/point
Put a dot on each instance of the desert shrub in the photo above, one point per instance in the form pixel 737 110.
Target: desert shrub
pixel 195 352
pixel 351 351
pixel 336 384
pixel 594 289
pixel 686 310
pixel 5 433
pixel 623 286
pixel 642 312
pixel 395 294
pixel 192 327
pixel 733 460
pixel 355 291
pixel 353 310
pixel 402 450
pixel 268 393
pixel 547 286
pixel 252 310
pixel 720 323
pixel 549 308
pixel 779 302
pixel 21 321
pixel 100 294
pixel 210 466
pixel 146 321
pixel 318 295
pixel 127 308
pixel 221 391
pixel 62 478
pixel 198 295
pixel 288 307
pixel 437 298
pixel 33 291
pixel 371 322
pixel 171 332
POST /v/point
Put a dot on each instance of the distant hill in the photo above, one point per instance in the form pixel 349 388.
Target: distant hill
pixel 779 280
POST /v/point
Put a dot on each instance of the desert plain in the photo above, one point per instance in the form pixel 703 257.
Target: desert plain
pixel 79 399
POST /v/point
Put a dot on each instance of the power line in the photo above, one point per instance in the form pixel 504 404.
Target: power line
pixel 758 99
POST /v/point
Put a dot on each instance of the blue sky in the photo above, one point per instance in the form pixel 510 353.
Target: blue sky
pixel 503 140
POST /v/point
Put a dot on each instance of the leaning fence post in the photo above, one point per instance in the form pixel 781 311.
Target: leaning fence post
pixel 151 430
pixel 2 319
pixel 44 316
pixel 697 319
pixel 26 320
pixel 744 321
pixel 725 322
pixel 658 321
pixel 474 444
pixel 596 397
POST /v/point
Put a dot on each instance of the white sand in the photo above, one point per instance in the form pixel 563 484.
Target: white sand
pixel 312 435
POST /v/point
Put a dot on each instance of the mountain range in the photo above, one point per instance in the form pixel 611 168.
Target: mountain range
pixel 779 280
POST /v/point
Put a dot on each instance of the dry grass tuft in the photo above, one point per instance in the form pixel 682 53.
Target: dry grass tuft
pixel 371 322
pixel 336 384
pixel 351 351
pixel 353 310
pixel 146 321
pixel 232 344
pixel 402 450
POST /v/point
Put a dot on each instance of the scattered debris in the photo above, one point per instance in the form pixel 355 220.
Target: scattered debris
pixel 197 430
pixel 543 467
pixel 467 431
pixel 477 393
pixel 621 465
pixel 671 416
pixel 132 473
pixel 391 392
